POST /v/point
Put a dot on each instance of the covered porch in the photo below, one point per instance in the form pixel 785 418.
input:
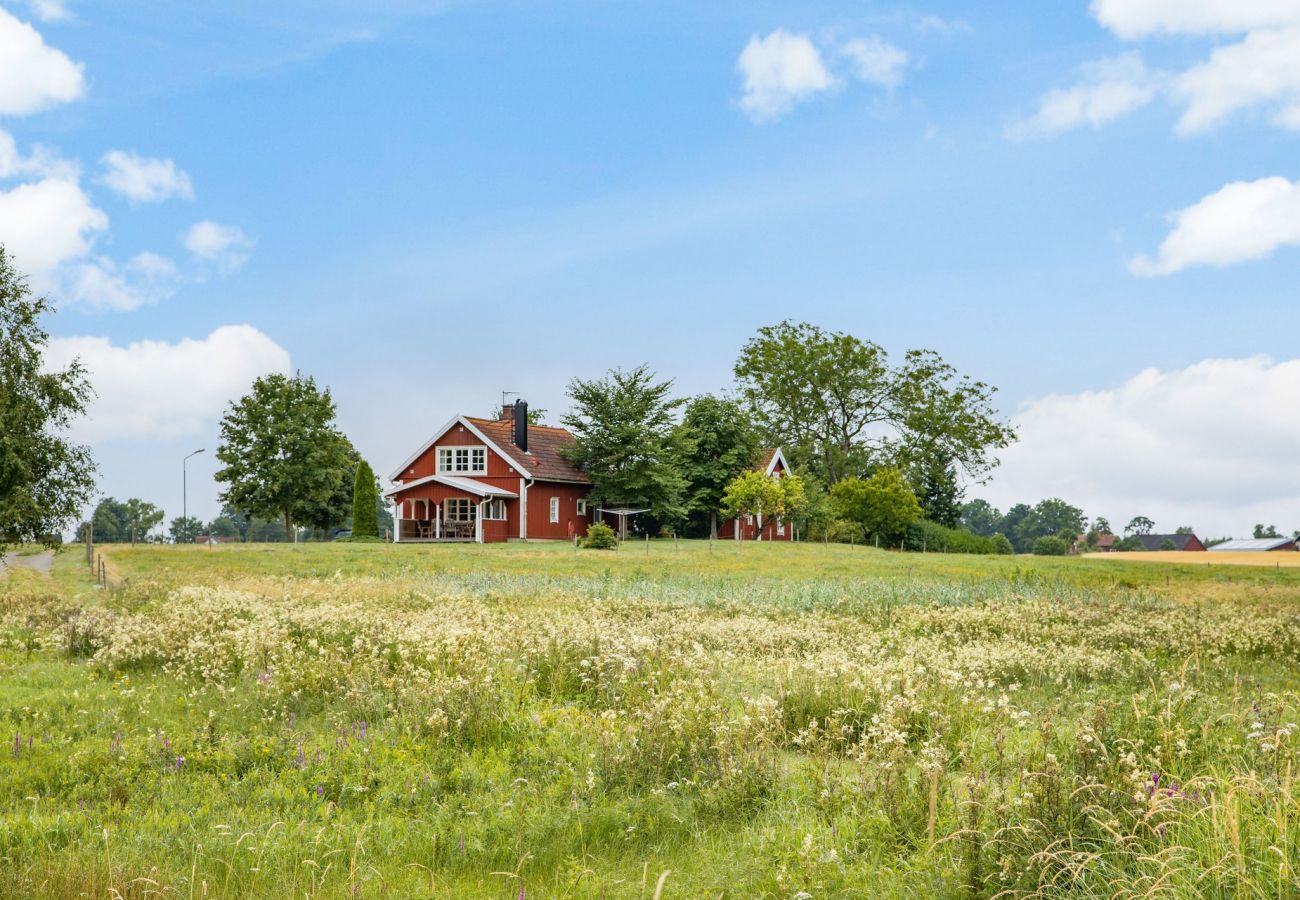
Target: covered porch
pixel 449 509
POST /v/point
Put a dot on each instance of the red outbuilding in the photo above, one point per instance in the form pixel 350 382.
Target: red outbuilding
pixel 490 480
pixel 761 528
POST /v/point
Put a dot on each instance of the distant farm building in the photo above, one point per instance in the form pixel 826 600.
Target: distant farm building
pixel 1257 545
pixel 771 462
pixel 1188 542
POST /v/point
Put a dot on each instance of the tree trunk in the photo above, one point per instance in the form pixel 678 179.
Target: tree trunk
pixel 713 526
pixel 289 534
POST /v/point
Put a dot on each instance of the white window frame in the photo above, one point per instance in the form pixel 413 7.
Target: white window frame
pixel 494 510
pixel 582 507
pixel 555 510
pixel 466 509
pixel 468 459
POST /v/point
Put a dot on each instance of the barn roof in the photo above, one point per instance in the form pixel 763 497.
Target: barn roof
pixel 543 459
pixel 460 482
pixel 767 460
pixel 1156 541
pixel 1257 544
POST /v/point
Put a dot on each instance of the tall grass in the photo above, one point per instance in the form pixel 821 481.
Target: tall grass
pixel 535 723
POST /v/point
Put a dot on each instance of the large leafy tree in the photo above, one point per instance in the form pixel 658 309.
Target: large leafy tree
pixel 282 454
pixel 626 440
pixel 45 478
pixel 843 409
pixel 142 517
pixel 185 530
pixel 365 502
pixel 109 522
pixel 981 517
pixel 883 504
pixel 336 509
pixel 722 443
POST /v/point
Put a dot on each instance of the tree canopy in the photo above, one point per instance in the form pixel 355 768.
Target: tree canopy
pixel 626 440
pixel 283 455
pixel 720 443
pixel 45 478
pixel 841 408
pixel 883 504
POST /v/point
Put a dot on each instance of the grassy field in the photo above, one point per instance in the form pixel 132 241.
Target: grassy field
pixel 1279 559
pixel 671 720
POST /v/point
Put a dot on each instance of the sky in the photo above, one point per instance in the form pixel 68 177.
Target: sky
pixel 1094 206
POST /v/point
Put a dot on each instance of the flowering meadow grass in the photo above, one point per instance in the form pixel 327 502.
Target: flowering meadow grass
pixel 673 721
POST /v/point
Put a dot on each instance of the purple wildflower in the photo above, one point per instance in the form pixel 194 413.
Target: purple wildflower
pixel 180 761
pixel 523 894
pixel 320 790
pixel 18 743
pixel 302 758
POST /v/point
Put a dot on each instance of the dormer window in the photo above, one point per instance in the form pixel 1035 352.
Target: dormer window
pixel 462 460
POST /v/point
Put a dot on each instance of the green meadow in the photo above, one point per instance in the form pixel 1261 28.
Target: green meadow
pixel 668 720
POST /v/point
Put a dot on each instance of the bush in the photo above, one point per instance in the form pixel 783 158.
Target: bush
pixel 842 531
pixel 932 537
pixel 600 537
pixel 1167 544
pixel 1002 545
pixel 1050 545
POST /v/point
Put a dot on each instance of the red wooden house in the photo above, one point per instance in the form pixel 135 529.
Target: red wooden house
pixel 490 480
pixel 761 528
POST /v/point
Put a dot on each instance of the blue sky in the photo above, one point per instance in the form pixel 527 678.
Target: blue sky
pixel 423 204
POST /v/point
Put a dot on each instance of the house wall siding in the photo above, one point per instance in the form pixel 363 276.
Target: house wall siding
pixel 539 511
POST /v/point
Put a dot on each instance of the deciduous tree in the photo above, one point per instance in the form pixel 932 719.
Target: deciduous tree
pixel 840 407
pixel 45 478
pixel 883 504
pixel 626 441
pixel 281 451
pixel 719 442
pixel 142 517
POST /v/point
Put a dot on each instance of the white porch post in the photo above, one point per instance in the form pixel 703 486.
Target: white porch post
pixel 478 523
pixel 437 520
pixel 736 528
pixel 758 536
pixel 397 521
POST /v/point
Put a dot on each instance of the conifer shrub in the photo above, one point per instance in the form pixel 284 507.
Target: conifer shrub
pixel 600 537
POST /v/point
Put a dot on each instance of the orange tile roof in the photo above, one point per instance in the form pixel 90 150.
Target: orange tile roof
pixel 543 458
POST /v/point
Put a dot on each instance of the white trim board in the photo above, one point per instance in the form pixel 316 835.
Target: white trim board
pixel 458 420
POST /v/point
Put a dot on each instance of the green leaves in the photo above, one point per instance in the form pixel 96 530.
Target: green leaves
pixel 626 440
pixel 45 479
pixel 282 454
pixel 840 407
pixel 365 502
pixel 883 504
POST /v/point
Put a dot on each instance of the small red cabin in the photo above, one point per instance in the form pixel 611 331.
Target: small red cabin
pixel 490 480
pixel 761 528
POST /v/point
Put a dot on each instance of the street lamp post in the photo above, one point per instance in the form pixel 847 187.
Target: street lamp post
pixel 184 498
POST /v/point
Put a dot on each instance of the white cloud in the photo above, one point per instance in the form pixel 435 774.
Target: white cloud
pixel 33 75
pixel 941 26
pixel 779 71
pixel 158 390
pixel 1134 19
pixel 1263 69
pixel 876 61
pixel 1108 90
pixel 42 162
pixel 1244 220
pixel 1204 446
pixel 224 245
pixel 46 223
pixel 49 10
pixel 144 179
pixel 100 284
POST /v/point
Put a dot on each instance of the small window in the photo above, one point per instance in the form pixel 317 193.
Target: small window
pixel 555 510
pixel 582 507
pixel 495 510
